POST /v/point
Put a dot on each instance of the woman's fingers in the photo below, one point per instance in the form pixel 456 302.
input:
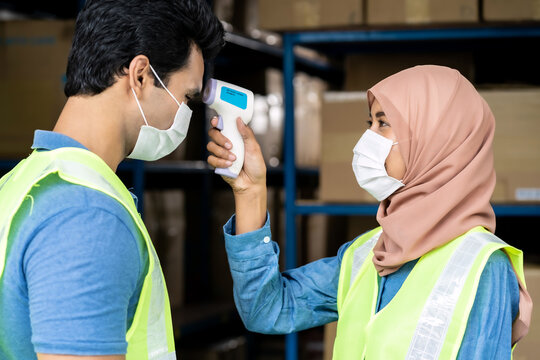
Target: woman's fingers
pixel 217 136
pixel 220 152
pixel 218 162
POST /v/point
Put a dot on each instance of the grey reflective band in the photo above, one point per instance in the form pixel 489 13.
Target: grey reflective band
pixel 360 255
pixel 157 332
pixel 5 180
pixel 430 333
pixel 166 356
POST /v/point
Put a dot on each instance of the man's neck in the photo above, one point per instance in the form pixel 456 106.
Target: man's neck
pixel 97 123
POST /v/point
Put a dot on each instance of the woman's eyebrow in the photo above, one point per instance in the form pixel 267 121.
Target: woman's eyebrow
pixel 378 114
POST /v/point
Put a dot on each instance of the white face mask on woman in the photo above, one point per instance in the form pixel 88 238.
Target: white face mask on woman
pixel 152 143
pixel 370 154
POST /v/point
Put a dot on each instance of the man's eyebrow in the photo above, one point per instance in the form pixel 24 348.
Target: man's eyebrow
pixel 193 93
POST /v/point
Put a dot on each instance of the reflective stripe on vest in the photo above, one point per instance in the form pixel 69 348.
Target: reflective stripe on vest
pixel 427 318
pixel 150 336
pixel 360 254
pixel 431 330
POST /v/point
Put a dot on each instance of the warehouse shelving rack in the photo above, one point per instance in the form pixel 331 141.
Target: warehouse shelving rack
pixel 354 41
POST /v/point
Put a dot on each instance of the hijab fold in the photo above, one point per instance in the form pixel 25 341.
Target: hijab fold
pixel 444 130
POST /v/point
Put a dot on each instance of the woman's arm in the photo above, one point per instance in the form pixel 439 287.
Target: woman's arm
pixel 271 302
pixel 249 188
pixel 268 301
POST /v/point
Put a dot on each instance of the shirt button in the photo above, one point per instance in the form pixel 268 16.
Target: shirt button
pixel 266 240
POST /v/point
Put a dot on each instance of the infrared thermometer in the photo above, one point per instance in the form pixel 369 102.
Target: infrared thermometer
pixel 230 102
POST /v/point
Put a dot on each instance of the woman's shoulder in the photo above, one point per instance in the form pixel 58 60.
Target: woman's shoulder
pixel 499 270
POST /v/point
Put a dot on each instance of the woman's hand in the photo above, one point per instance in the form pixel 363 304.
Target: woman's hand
pixel 249 187
pixel 253 173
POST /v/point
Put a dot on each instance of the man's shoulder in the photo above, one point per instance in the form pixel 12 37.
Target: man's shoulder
pixel 55 192
pixel 53 196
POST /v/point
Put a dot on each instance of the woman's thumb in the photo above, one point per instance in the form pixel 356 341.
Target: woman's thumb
pixel 244 130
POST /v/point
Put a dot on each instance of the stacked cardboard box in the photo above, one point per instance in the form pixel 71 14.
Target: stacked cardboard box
pixel 33 58
pixel 511 10
pixel 309 14
pixel 344 121
pixel 365 70
pixel 527 348
pixel 516 145
pixel 383 12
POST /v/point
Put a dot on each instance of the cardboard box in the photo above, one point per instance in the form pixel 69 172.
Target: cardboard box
pixel 527 348
pixel 383 12
pixel 33 58
pixel 330 330
pixel 511 10
pixel 365 70
pixel 309 14
pixel 344 121
pixel 516 145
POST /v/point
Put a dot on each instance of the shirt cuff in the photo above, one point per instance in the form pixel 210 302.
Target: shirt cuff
pixel 248 245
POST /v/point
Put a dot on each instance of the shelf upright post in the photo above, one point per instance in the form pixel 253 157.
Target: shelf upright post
pixel 291 340
pixel 138 184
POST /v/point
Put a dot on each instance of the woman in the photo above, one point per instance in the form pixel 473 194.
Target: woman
pixel 432 282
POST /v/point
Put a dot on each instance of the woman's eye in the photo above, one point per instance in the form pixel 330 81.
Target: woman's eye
pixel 383 123
pixel 188 97
pixel 369 123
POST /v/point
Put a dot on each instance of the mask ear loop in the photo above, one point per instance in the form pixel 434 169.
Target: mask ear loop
pixel 140 108
pixel 161 82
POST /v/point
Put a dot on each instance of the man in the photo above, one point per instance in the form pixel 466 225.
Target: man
pixel 79 277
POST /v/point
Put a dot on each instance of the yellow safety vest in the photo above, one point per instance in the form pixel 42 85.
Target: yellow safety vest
pixel 428 316
pixel 150 336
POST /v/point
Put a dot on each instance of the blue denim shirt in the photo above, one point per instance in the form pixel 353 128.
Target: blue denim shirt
pixel 271 302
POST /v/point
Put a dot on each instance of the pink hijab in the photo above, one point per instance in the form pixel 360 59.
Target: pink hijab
pixel 444 130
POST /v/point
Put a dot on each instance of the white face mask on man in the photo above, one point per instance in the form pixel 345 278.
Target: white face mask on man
pixel 152 143
pixel 369 157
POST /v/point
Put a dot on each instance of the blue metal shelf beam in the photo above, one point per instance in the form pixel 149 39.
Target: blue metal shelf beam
pixel 292 209
pixel 362 36
pixel 371 209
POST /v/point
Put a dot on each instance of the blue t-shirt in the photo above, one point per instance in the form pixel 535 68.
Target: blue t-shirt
pixel 74 270
pixel 271 302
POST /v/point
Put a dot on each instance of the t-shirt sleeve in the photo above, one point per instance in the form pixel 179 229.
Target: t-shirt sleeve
pixel 82 266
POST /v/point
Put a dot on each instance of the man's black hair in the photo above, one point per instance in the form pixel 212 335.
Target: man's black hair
pixel 110 33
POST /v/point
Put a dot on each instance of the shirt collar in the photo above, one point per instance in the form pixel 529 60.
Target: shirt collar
pixel 49 140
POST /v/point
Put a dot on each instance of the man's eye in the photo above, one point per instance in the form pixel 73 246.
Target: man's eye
pixel 383 123
pixel 188 97
pixel 369 123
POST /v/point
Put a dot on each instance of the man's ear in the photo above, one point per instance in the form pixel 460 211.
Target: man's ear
pixel 138 73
